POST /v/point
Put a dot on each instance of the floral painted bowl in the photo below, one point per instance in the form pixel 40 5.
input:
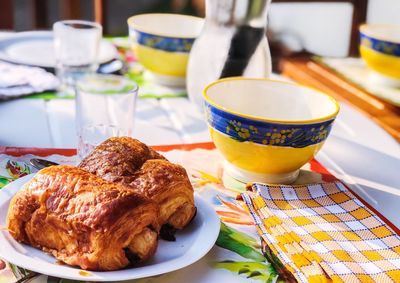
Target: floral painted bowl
pixel 162 43
pixel 266 130
pixel 380 49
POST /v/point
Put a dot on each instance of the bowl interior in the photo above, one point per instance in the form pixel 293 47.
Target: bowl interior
pixel 169 25
pixel 389 33
pixel 271 100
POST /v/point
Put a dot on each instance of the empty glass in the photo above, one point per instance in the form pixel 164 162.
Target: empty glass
pixel 105 107
pixel 76 45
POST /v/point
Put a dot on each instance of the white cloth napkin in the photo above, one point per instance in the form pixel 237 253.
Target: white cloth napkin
pixel 19 80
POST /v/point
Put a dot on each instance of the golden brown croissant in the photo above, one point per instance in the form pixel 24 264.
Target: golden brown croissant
pixel 133 164
pixel 84 220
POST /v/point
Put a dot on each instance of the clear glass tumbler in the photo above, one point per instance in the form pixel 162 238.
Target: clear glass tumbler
pixel 76 45
pixel 105 107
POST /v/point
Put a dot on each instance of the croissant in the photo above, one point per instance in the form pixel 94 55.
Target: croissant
pixel 84 220
pixel 129 162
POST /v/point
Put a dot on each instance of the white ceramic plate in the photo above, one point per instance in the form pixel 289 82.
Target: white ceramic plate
pixel 35 48
pixel 191 245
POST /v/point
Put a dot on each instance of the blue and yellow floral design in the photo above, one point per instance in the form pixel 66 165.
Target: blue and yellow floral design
pixel 381 56
pixel 170 44
pixel 382 46
pixel 267 133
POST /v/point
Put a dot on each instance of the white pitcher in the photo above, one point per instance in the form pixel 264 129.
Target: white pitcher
pixel 232 43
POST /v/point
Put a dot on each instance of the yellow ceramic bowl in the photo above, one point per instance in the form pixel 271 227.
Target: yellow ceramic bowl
pixel 162 43
pixel 266 129
pixel 380 49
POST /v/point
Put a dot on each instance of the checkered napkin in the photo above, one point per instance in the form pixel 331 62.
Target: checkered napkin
pixel 323 233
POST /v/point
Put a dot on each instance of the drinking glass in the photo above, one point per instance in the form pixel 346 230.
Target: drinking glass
pixel 76 45
pixel 105 107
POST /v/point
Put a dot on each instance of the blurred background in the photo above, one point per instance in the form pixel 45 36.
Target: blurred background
pixel 327 28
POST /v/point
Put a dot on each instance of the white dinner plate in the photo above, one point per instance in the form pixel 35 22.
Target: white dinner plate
pixel 191 245
pixel 35 48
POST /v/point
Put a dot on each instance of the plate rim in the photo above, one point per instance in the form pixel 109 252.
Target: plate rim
pixel 40 34
pixel 210 226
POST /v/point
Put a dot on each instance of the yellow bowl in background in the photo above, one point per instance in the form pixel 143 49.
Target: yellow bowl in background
pixel 380 49
pixel 162 43
pixel 266 130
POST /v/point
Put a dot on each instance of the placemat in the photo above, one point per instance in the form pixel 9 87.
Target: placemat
pixel 237 256
pixel 356 71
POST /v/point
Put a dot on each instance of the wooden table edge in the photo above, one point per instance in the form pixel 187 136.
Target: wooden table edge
pixel 315 74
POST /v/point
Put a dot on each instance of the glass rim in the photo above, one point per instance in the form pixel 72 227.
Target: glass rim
pixel 78 22
pixel 131 86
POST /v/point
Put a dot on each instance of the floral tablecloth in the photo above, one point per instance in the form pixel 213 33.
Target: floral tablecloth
pixel 237 255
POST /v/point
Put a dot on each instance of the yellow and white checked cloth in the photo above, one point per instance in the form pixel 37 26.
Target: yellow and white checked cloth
pixel 323 233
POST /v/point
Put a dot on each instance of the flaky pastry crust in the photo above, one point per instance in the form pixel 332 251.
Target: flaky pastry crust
pixel 133 164
pixel 84 220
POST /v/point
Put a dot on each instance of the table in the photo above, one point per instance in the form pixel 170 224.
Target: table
pixel 371 163
pixel 358 151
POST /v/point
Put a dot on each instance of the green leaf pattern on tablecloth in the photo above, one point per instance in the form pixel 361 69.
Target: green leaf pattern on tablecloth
pixel 240 243
pixel 4 181
pixel 253 270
